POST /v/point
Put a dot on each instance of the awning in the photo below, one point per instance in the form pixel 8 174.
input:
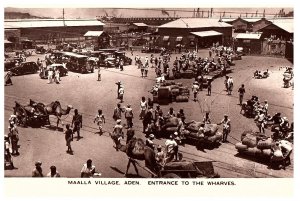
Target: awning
pixel 179 38
pixel 166 38
pixel 206 33
pixel 93 33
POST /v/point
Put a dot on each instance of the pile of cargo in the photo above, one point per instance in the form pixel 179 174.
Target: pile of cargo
pixel 170 92
pixel 210 132
pixel 255 144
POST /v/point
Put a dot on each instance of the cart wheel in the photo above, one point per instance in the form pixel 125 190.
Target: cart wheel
pixel 171 175
pixel 21 116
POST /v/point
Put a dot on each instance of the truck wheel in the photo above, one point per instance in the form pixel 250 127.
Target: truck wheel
pixel 171 175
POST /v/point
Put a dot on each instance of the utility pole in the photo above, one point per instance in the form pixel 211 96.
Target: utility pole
pixel 64 23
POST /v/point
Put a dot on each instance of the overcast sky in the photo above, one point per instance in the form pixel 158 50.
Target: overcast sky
pixel 93 12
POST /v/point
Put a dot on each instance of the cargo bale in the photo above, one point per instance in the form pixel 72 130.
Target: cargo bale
pixel 241 147
pixel 252 151
pixel 172 122
pixel 265 144
pixel 266 152
pixel 194 127
pixel 172 129
pixel 250 141
pixel 210 129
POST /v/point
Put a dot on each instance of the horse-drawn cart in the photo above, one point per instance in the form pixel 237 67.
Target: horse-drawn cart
pixel 30 115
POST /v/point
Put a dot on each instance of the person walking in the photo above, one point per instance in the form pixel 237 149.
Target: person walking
pixel 50 75
pixel 129 116
pixel 56 76
pixel 121 93
pixel 53 172
pixel 7 78
pixel 226 127
pixel 130 134
pixel 146 68
pixel 266 107
pixel 143 105
pixel 38 171
pixel 141 66
pixel 241 91
pixel 121 65
pixel 260 121
pixel 69 138
pixel 117 112
pixel 118 131
pixel 99 73
pixel 209 88
pixel 119 86
pixel 77 122
pixel 100 120
pixel 14 138
pixel 195 89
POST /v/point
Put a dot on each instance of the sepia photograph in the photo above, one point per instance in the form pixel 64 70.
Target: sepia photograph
pixel 203 92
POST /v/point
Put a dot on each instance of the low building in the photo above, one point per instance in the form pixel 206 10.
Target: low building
pixel 99 39
pixel 53 30
pixel 250 42
pixel 194 33
pixel 138 27
pixel 242 25
pixel 282 29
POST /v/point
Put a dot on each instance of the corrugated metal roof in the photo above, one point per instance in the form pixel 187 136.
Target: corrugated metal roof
pixel 38 23
pixel 287 26
pixel 282 23
pixel 207 33
pixel 195 23
pixel 93 33
pixel 251 19
pixel 249 35
pixel 140 24
pixel 228 19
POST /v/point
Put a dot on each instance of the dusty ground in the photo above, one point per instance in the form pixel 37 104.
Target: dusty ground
pixel 83 92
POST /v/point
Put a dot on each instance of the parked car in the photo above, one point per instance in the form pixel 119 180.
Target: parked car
pixel 63 71
pixel 25 68
pixel 40 50
pixel 121 55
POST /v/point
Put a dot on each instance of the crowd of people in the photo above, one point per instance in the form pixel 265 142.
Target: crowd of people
pixel 152 117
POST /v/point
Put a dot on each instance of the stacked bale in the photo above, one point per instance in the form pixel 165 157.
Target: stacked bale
pixel 171 125
pixel 163 95
pixel 210 132
pixel 262 146
pixel 188 74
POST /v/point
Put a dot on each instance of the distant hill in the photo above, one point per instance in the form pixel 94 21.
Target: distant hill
pixel 20 15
